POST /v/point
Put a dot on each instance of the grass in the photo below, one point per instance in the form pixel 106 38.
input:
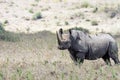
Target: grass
pixel 19 72
pixel 1 75
pixel 39 59
pixel 29 75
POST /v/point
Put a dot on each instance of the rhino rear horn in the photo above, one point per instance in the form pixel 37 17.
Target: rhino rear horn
pixel 60 33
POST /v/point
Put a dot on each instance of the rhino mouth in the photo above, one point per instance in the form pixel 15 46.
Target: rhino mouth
pixel 61 48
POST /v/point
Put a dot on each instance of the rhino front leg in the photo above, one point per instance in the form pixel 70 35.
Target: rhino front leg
pixel 77 57
pixel 77 60
pixel 106 58
pixel 80 57
pixel 107 61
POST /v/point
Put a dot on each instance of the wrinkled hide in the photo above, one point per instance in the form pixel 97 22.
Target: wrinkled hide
pixel 85 46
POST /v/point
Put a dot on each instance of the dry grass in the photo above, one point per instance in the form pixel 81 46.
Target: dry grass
pixel 36 57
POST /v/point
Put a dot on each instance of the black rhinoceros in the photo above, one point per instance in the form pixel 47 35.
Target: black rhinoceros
pixel 82 46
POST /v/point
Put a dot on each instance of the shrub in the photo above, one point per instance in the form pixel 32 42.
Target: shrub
pixel 37 16
pixel 85 5
pixel 37 0
pixel 1 28
pixel 58 23
pixel 31 11
pixel 95 10
pixel 94 23
pixel 81 29
pixel 66 23
pixel 7 36
pixel 6 22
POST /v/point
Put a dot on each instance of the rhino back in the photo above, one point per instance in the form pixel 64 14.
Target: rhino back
pixel 98 45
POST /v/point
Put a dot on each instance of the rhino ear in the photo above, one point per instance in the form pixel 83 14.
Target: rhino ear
pixel 61 31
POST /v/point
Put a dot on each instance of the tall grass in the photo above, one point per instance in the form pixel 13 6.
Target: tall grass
pixel 52 64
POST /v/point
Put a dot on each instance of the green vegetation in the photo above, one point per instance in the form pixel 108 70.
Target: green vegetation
pixel 81 29
pixel 13 77
pixel 19 71
pixel 37 0
pixel 6 21
pixel 58 23
pixel 94 23
pixel 37 16
pixel 1 76
pixel 95 10
pixel 29 75
pixel 66 23
pixel 86 5
pixel 1 28
pixel 34 5
pixel 7 36
pixel 31 10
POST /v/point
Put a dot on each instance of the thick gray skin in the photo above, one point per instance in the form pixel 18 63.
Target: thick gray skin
pixel 84 46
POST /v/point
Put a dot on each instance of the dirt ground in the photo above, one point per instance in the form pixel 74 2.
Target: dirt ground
pixel 60 13
pixel 36 57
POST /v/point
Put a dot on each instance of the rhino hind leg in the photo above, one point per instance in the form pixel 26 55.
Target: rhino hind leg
pixel 113 52
pixel 106 58
pixel 115 58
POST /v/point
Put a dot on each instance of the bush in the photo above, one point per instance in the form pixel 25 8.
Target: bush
pixel 95 10
pixel 31 10
pixel 1 28
pixel 37 16
pixel 66 23
pixel 94 23
pixel 7 36
pixel 85 5
pixel 81 29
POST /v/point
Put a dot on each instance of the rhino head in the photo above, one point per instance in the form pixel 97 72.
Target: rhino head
pixel 64 41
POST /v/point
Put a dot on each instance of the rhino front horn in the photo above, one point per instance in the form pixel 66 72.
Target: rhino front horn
pixel 58 37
